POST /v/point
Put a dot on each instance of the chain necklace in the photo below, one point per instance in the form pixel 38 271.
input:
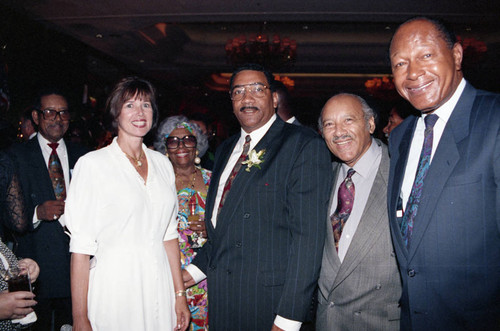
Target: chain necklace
pixel 138 162
pixel 184 184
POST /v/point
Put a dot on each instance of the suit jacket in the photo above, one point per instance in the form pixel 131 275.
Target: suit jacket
pixel 263 257
pixel 451 272
pixel 48 245
pixel 362 292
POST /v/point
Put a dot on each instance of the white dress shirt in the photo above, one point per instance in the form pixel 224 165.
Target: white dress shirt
pixel 366 170
pixel 62 152
pixel 255 137
pixel 444 113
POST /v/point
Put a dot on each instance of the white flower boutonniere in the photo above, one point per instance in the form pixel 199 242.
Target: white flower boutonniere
pixel 254 159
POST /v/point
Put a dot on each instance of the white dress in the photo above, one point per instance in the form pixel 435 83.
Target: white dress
pixel 120 221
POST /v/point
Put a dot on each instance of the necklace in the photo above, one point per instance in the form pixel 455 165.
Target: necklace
pixel 184 184
pixel 138 162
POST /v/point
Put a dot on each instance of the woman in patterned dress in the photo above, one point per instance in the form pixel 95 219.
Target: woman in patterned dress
pixel 184 144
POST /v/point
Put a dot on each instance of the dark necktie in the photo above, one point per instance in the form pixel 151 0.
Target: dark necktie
pixel 56 173
pixel 345 198
pixel 234 172
pixel 416 190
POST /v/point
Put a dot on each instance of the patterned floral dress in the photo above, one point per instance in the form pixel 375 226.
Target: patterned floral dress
pixel 196 295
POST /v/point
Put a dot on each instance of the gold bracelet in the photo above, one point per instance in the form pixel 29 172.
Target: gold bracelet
pixel 180 293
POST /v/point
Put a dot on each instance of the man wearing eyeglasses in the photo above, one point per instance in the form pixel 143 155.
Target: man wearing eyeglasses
pixel 44 164
pixel 265 209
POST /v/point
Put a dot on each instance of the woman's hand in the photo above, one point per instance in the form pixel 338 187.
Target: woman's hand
pixel 198 227
pixel 32 267
pixel 16 304
pixel 182 312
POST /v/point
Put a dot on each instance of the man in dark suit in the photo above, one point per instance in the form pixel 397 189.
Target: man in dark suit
pixel 47 243
pixel 263 255
pixel 444 186
pixel 359 283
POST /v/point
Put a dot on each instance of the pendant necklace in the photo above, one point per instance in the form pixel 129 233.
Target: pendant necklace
pixel 138 162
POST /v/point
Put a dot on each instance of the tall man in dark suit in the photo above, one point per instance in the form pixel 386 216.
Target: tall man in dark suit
pixel 359 283
pixel 263 255
pixel 444 186
pixel 47 243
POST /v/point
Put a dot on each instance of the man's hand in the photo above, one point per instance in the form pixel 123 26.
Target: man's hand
pixel 32 267
pixel 50 210
pixel 275 328
pixel 187 278
pixel 198 227
pixel 16 304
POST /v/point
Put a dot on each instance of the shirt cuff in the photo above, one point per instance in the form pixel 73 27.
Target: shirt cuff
pixel 36 221
pixel 196 273
pixel 286 324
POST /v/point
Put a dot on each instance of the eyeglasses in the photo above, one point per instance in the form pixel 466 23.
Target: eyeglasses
pixel 51 114
pixel 174 142
pixel 257 90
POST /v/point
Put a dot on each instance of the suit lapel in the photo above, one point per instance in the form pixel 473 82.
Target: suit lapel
pixel 442 164
pixel 370 226
pixel 399 172
pixel 330 251
pixel 221 161
pixel 39 167
pixel 271 143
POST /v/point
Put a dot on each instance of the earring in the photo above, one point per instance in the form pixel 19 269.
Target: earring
pixel 197 160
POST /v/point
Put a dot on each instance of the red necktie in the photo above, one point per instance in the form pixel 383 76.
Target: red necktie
pixel 56 173
pixel 234 172
pixel 345 198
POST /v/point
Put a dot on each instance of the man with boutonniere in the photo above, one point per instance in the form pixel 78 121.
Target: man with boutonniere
pixel 264 215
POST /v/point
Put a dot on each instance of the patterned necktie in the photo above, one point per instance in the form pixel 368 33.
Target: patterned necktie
pixel 345 200
pixel 234 172
pixel 416 190
pixel 56 173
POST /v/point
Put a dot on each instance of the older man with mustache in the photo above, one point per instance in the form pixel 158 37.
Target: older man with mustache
pixel 359 284
pixel 44 164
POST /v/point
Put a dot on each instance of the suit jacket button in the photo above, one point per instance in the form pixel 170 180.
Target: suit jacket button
pixel 411 273
pixel 246 215
pixel 238 244
pixel 228 272
pixel 211 268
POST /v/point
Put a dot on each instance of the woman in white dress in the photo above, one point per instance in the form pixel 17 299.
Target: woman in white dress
pixel 121 210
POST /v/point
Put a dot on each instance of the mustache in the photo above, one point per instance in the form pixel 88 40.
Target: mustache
pixel 248 107
pixel 346 136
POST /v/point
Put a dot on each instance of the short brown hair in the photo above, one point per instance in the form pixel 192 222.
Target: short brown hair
pixel 126 89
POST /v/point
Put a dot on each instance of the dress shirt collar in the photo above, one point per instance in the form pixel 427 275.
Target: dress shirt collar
pixel 257 135
pixel 444 112
pixel 44 144
pixel 365 163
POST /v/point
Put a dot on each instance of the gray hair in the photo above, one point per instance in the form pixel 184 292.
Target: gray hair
pixel 367 110
pixel 173 122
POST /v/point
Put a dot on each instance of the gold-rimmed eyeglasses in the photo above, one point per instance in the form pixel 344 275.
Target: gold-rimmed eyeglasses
pixel 257 90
